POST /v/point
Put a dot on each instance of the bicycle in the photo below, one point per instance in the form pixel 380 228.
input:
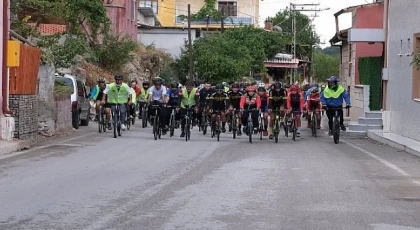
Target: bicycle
pixel 116 118
pixel 235 121
pixel 172 121
pixel 293 126
pixel 188 125
pixel 336 124
pixel 101 120
pixel 314 123
pixel 128 118
pixel 261 124
pixel 277 124
pixel 204 120
pixel 249 126
pixel 144 113
pixel 157 131
pixel 217 127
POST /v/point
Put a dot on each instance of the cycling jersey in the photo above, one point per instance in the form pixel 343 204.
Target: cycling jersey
pixel 173 96
pixel 250 102
pixel 234 99
pixel 218 101
pixel 204 94
pixel 277 99
pixel 264 102
pixel 295 102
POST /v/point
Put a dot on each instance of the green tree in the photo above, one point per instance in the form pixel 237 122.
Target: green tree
pixel 324 66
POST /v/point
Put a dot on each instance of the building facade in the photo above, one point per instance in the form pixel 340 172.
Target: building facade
pixel 401 78
pixel 123 15
pixel 171 13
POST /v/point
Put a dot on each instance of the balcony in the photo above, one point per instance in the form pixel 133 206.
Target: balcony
pixel 227 21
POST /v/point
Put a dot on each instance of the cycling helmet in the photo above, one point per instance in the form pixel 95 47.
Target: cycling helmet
pixel 189 83
pixel 224 83
pixel 333 79
pixel 246 85
pixel 146 83
pixel 251 88
pixel 235 85
pixel 277 85
pixel 220 87
pixel 174 85
pixel 294 88
pixel 261 89
pixel 118 77
pixel 101 80
pixel 315 86
pixel 261 84
pixel 157 81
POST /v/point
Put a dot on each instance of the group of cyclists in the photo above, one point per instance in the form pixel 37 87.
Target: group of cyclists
pixel 220 101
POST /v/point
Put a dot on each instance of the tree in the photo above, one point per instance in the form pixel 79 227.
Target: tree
pixel 325 66
pixel 305 36
pixel 331 50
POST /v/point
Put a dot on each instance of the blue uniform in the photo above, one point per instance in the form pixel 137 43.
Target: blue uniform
pixel 173 96
pixel 335 102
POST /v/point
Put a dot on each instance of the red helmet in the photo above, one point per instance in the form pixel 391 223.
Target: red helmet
pixel 294 88
pixel 251 88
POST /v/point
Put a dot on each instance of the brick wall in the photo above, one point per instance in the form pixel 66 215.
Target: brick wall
pixel 63 120
pixel 25 108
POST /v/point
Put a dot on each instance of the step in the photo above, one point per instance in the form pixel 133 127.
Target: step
pixel 352 133
pixel 370 121
pixel 373 114
pixel 354 126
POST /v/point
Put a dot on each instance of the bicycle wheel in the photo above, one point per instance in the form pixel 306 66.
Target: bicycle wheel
pixel 313 125
pixel 172 124
pixel 261 129
pixel 276 131
pixel 187 128
pixel 119 124
pixel 229 121
pixel 114 124
pixel 159 129
pixel 128 123
pixel 104 123
pixel 144 117
pixel 218 129
pixel 155 127
pixel 250 130
pixel 204 123
pixel 234 126
pixel 294 130
pixel 100 117
pixel 336 130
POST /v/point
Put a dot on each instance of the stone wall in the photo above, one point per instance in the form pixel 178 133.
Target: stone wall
pixel 46 104
pixel 63 122
pixel 25 108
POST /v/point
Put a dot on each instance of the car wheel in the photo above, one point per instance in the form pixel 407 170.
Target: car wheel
pixel 86 122
pixel 76 119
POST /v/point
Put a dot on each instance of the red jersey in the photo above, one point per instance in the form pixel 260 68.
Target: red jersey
pixel 252 102
pixel 295 101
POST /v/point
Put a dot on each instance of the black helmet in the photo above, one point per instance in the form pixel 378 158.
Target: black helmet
pixel 220 86
pixel 146 83
pixel 235 85
pixel 277 85
pixel 101 80
pixel 118 77
pixel 261 89
pixel 189 83
pixel 174 85
pixel 246 85
pixel 157 81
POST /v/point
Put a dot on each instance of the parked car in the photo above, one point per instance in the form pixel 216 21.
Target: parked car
pixel 79 100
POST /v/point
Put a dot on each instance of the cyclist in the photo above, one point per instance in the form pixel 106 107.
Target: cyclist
pixel 118 93
pixel 250 101
pixel 188 98
pixel 136 93
pixel 225 87
pixel 96 94
pixel 313 102
pixel 295 105
pixel 218 102
pixel 277 101
pixel 144 94
pixel 262 93
pixel 332 98
pixel 157 96
pixel 204 94
pixel 172 99
pixel 234 103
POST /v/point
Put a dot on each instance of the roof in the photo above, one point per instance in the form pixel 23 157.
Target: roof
pixel 352 8
pixel 340 36
pixel 282 63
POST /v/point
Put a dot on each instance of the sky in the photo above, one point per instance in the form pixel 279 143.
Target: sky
pixel 324 23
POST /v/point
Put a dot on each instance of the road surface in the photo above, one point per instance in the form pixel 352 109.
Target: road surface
pixel 93 181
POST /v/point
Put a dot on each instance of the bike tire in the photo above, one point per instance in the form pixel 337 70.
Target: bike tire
pixel 104 123
pixel 250 130
pixel 234 127
pixel 218 130
pixel 261 130
pixel 128 124
pixel 143 118
pixel 186 129
pixel 100 123
pixel 172 123
pixel 336 131
pixel 276 132
pixel 294 130
pixel 155 128
pixel 118 125
pixel 313 125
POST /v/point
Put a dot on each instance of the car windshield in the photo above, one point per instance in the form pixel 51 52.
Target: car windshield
pixel 64 84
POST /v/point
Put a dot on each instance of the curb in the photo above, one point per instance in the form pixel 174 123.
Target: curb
pixel 411 146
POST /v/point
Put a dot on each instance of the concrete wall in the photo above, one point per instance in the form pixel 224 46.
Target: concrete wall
pixel 63 122
pixel 46 104
pixel 359 101
pixel 403 22
pixel 25 109
pixel 159 37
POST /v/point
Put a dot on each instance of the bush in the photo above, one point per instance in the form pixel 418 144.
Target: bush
pixel 370 73
pixel 60 87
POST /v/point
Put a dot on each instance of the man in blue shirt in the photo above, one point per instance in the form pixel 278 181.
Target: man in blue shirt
pixel 332 99
pixel 172 97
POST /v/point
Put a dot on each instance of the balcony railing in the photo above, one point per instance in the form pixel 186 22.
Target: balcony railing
pixel 227 21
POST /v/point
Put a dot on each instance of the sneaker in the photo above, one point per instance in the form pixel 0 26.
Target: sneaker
pixel 182 134
pixel 265 133
pixel 330 133
pixel 271 136
pixel 109 126
pixel 131 117
pixel 343 128
pixel 123 127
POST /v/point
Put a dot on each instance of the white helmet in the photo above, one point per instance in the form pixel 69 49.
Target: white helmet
pixel 261 84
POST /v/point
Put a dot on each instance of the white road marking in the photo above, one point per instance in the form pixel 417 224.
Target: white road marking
pixel 385 162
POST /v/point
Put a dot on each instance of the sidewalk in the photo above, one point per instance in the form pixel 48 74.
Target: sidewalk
pixel 7 147
pixel 396 141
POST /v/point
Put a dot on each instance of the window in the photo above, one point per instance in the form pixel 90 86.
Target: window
pixel 197 33
pixel 150 3
pixel 228 9
pixel 416 71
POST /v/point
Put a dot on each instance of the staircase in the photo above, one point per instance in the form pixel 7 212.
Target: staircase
pixel 371 121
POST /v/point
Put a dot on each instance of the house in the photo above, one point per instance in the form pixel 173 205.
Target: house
pixel 364 39
pixel 123 15
pixel 401 80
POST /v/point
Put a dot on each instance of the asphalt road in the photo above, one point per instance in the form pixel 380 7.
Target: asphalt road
pixel 93 181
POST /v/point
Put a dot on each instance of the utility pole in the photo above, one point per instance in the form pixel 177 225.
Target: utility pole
pixel 300 8
pixel 190 51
